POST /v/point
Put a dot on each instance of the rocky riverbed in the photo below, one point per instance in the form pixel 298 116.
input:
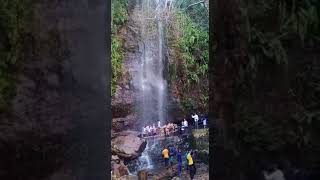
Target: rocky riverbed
pixel 125 145
pixel 132 154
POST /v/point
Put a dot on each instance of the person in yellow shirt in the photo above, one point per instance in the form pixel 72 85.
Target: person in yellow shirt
pixel 165 155
pixel 192 168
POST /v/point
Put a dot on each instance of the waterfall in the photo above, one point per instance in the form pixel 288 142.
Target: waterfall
pixel 150 81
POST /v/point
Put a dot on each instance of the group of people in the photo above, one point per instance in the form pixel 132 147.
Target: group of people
pixel 169 128
pixel 164 130
pixel 195 117
pixel 149 130
pixel 169 153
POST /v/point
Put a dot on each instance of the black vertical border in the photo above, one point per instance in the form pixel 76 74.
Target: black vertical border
pixel 100 145
pixel 108 53
pixel 211 114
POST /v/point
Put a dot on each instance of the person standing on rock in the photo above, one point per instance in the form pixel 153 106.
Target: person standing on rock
pixel 186 158
pixel 171 154
pixel 185 123
pixel 165 155
pixel 165 130
pixel 159 124
pixel 144 131
pixel 191 165
pixel 182 127
pixel 154 130
pixel 149 130
pixel 204 122
pixel 179 160
pixel 196 119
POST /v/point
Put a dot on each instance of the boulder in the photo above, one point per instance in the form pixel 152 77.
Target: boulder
pixel 119 170
pixel 127 145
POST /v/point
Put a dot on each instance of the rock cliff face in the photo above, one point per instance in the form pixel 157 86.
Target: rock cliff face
pixel 123 101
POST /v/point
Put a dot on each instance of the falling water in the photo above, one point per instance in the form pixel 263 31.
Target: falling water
pixel 150 81
pixel 145 159
pixel 148 77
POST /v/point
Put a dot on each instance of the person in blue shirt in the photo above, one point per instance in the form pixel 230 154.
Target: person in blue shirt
pixel 171 154
pixel 179 160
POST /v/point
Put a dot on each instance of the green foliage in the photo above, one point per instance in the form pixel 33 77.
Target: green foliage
pixel 188 104
pixel 119 14
pixel 284 21
pixel 14 27
pixel 191 40
pixel 275 28
pixel 116 60
pixel 119 17
pixel 194 46
pixel 198 13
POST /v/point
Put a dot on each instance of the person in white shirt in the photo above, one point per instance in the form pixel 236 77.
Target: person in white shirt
pixel 154 129
pixel 144 131
pixel 185 123
pixel 196 119
pixel 204 122
pixel 182 127
pixel 159 124
pixel 148 130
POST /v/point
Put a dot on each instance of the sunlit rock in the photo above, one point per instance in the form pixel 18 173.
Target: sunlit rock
pixel 128 145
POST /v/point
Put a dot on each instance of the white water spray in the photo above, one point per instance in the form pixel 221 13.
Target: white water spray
pixel 150 80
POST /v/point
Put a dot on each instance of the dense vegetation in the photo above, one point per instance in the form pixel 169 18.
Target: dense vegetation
pixel 189 38
pixel 274 30
pixel 14 28
pixel 119 16
pixel 274 106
